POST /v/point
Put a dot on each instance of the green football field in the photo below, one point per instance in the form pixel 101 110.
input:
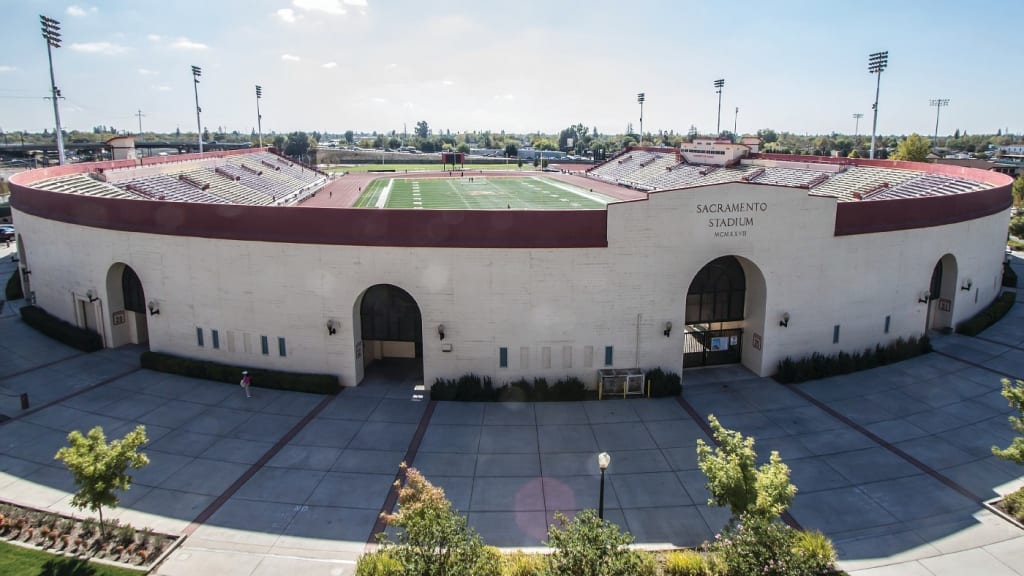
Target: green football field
pixel 480 192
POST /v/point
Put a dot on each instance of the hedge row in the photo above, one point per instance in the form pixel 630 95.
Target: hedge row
pixel 13 290
pixel 473 388
pixel 989 316
pixel 206 370
pixel 64 332
pixel 818 365
pixel 1009 276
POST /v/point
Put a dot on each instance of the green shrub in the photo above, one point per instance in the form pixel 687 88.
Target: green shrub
pixel 14 291
pixel 1009 276
pixel 378 563
pixel 473 388
pixel 43 321
pixel 519 563
pixel 1013 504
pixel 591 546
pixel 989 316
pixel 568 390
pixel 229 373
pixel 818 365
pixel 813 552
pixel 685 563
pixel 759 547
pixel 663 383
pixel 646 563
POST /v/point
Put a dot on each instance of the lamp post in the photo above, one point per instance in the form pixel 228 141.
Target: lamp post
pixel 876 63
pixel 603 460
pixel 735 120
pixel 51 33
pixel 719 84
pixel 259 117
pixel 856 126
pixel 640 98
pixel 938 103
pixel 196 73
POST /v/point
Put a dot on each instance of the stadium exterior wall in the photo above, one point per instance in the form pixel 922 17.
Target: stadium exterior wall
pixel 617 288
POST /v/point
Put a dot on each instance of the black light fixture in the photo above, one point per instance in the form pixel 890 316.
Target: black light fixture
pixel 196 73
pixel 668 329
pixel 154 307
pixel 603 460
pixel 51 33
pixel 91 295
pixel 332 327
pixel 26 271
pixel 784 321
pixel 719 84
pixel 966 286
pixel 876 64
pixel 440 331
pixel 924 296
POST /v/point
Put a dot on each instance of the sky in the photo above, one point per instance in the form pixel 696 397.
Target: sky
pixel 523 66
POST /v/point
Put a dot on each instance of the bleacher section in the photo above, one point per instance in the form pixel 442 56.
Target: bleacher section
pixel 650 171
pixel 84 184
pixel 170 189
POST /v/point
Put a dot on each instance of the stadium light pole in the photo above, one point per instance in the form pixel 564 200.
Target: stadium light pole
pixel 719 84
pixel 640 98
pixel 876 63
pixel 51 33
pixel 259 117
pixel 938 103
pixel 856 126
pixel 735 120
pixel 196 73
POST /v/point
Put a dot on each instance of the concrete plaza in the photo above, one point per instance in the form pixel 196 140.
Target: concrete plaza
pixel 892 463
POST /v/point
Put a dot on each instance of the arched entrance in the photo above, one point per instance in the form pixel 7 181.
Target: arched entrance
pixel 942 294
pixel 720 302
pixel 388 331
pixel 126 303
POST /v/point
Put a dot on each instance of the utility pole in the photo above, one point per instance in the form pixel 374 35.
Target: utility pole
pixel 640 98
pixel 259 117
pixel 876 63
pixel 51 33
pixel 938 103
pixel 735 119
pixel 196 73
pixel 856 126
pixel 139 114
pixel 719 84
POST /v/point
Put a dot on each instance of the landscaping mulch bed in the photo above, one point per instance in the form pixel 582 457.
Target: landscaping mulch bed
pixel 81 537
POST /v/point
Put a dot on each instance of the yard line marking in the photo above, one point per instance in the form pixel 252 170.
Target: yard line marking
pixel 382 200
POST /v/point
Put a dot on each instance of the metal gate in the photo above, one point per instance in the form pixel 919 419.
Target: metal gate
pixel 712 347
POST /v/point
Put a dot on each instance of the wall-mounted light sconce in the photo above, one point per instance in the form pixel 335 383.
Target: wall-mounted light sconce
pixel 91 295
pixel 966 286
pixel 784 320
pixel 154 307
pixel 924 296
pixel 332 327
pixel 668 329
pixel 440 331
pixel 26 271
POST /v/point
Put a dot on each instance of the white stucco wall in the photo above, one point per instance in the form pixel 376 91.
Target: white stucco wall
pixel 564 300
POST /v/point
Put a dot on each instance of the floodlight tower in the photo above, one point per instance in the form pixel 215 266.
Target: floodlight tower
pixel 196 73
pixel 640 98
pixel 735 120
pixel 259 117
pixel 876 63
pixel 938 103
pixel 856 126
pixel 719 84
pixel 51 33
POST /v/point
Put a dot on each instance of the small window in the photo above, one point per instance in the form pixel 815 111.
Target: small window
pixel 281 349
pixel 215 339
pixel 199 336
pixel 887 318
pixel 503 357
pixel 265 345
pixel 608 355
pixel 835 334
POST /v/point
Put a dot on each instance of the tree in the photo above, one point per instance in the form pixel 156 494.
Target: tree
pixel 1014 394
pixel 431 538
pixel 464 148
pixel 279 142
pixel 1018 189
pixel 913 148
pixel 511 150
pixel 349 136
pixel 297 144
pixel 592 546
pixel 734 479
pixel 422 129
pixel 100 468
pixel 853 154
pixel 767 135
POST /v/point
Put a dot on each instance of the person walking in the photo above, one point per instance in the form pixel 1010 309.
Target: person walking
pixel 246 381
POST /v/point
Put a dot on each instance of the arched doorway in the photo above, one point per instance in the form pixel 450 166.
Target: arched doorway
pixel 126 303
pixel 719 302
pixel 388 332
pixel 942 293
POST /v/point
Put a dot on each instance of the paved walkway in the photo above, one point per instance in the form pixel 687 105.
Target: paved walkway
pixel 891 463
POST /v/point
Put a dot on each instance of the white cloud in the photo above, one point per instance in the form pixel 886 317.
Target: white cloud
pixel 79 12
pixel 290 58
pixel 186 44
pixel 105 48
pixel 287 15
pixel 161 88
pixel 154 38
pixel 379 100
pixel 5 68
pixel 507 97
pixel 148 72
pixel 392 66
pixel 329 65
pixel 329 6
pixel 359 3
pixel 447 82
